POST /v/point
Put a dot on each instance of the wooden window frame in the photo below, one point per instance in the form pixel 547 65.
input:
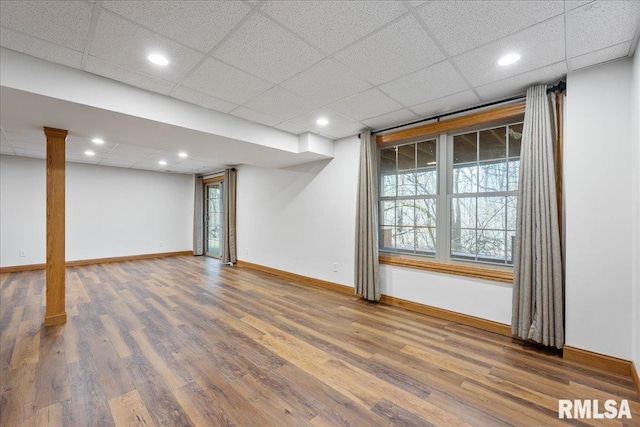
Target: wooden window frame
pixel 496 116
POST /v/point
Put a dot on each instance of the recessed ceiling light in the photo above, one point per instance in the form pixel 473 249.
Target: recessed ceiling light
pixel 322 121
pixel 183 154
pixel 97 141
pixel 158 59
pixel 162 163
pixel 509 59
pixel 89 153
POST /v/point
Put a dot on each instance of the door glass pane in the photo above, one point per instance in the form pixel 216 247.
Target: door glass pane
pixel 213 220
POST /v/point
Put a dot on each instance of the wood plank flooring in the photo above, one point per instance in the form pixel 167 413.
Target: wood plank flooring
pixel 185 341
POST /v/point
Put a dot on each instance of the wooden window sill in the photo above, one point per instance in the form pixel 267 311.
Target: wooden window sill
pixel 489 273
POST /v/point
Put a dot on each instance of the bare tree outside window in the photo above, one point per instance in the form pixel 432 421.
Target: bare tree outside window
pixel 480 204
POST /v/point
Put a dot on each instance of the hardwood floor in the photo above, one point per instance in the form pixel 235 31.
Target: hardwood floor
pixel 185 341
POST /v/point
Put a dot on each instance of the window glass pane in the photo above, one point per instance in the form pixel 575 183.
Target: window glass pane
pixel 426 212
pixel 463 212
pixel 493 177
pixel 493 144
pixel 465 148
pixel 514 174
pixel 426 154
pixel 407 184
pixel 387 239
pixel 388 216
pixel 465 179
pixel 491 245
pixel 511 212
pixel 405 238
pixel 426 239
pixel 427 182
pixel 407 157
pixel 388 185
pixel 388 160
pixel 511 237
pixel 405 213
pixel 463 243
pixel 515 137
pixel 492 213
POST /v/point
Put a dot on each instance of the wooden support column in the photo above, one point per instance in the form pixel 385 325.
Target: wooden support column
pixel 55 312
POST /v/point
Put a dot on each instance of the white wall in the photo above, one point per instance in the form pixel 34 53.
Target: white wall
pixel 23 199
pixel 636 211
pixel 475 297
pixel 110 212
pixel 598 172
pixel 301 219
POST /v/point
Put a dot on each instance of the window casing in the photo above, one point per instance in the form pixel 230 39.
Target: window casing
pixel 451 197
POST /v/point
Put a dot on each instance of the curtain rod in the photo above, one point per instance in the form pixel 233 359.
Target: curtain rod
pixel 560 87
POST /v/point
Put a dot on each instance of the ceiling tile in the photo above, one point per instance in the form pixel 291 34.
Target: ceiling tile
pixel 3 139
pixel 539 46
pixel 446 104
pixel 40 48
pixel 79 146
pixel 125 75
pixel 480 22
pixel 326 82
pixel 224 82
pixel 291 128
pixel 40 154
pixel 332 25
pixel 391 119
pixel 36 137
pixel 124 163
pixel 278 102
pixel 27 145
pixel 601 24
pixel 208 21
pixel 194 97
pixel 398 49
pixel 599 56
pixel 430 83
pixel 370 103
pixel 121 42
pixel 268 51
pixel 519 84
pixel 308 121
pixel 345 131
pixel 573 4
pixel 129 151
pixel 255 116
pixel 63 23
pixel 82 158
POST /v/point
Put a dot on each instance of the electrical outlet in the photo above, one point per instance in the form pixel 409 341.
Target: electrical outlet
pixel 161 245
pixel 335 266
pixel 23 252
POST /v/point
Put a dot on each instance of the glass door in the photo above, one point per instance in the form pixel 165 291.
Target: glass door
pixel 213 219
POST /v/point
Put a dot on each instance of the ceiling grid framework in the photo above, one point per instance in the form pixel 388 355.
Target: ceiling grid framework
pixel 284 64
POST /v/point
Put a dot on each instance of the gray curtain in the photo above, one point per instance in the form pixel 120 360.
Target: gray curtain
pixel 229 232
pixel 367 279
pixel 538 295
pixel 198 218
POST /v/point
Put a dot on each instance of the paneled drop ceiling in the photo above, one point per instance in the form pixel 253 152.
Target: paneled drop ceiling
pixel 284 64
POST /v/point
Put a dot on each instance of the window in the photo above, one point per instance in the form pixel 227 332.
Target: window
pixel 452 197
pixel 409 193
